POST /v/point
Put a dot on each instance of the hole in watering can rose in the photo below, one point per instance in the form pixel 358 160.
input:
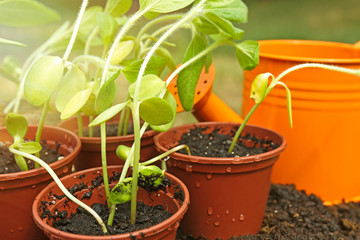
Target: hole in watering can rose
pixel 216 144
pixel 292 214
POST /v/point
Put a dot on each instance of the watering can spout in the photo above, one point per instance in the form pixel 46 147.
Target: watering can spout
pixel 207 106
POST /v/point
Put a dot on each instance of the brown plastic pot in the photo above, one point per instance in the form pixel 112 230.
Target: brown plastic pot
pixel 228 195
pixel 164 230
pixel 18 190
pixel 90 154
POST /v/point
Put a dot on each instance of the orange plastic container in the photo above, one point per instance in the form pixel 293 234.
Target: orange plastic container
pixel 321 156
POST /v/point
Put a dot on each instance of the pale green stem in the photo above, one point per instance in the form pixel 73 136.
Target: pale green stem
pixel 192 60
pixel 193 12
pixel 135 174
pixel 144 47
pixel 165 154
pixel 80 124
pixel 111 215
pixel 91 129
pixel 41 126
pixel 61 186
pixel 121 122
pixel 76 29
pixel 104 162
pixel 131 21
pixel 126 123
pixel 90 39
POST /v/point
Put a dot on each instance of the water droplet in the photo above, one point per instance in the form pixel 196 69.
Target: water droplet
pixel 233 219
pixel 208 222
pixel 227 212
pixel 20 228
pixel 257 158
pixel 210 211
pixel 188 168
pixel 242 217
pixel 197 184
pixel 235 160
pixel 228 169
pixel 12 230
pixel 209 176
pixel 216 223
pixel 169 229
pixel 194 159
pixel 217 216
pixel 33 186
pixel 65 170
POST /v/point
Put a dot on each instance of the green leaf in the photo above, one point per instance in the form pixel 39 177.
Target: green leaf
pixel 29 147
pixel 73 82
pixel 106 94
pixel 233 10
pixel 10 42
pixel 122 152
pixel 156 111
pixel 122 50
pixel 89 106
pixel 76 103
pixel 247 53
pixel 155 66
pixel 108 26
pixel 152 175
pixel 172 101
pixel 150 86
pixel 164 53
pixel 42 79
pixel 121 193
pixel 188 78
pixel 20 161
pixel 22 13
pixel 163 6
pixel 16 125
pixel 117 7
pixel 10 68
pixel 259 87
pixel 109 113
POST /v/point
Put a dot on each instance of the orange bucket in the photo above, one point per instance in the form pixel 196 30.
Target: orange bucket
pixel 321 156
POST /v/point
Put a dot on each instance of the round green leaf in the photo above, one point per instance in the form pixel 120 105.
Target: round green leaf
pixel 156 111
pixel 122 152
pixel 171 100
pixel 16 125
pixel 42 79
pixel 73 82
pixel 117 7
pixel 150 86
pixel 20 161
pixel 76 103
pixel 89 107
pixel 106 94
pixel 122 50
pixel 152 174
pixel 259 87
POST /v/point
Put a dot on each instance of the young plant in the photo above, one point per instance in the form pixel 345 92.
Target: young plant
pixel 260 89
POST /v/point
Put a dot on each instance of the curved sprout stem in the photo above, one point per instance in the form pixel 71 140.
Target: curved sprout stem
pixel 61 186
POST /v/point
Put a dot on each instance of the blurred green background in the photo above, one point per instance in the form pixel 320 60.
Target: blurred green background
pixel 329 20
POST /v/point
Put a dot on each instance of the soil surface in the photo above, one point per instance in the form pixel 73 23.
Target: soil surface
pixel 294 215
pixel 8 164
pixel 111 130
pixel 216 144
pixel 83 223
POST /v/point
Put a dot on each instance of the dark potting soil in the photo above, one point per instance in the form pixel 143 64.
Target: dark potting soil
pixel 8 164
pixel 83 223
pixel 294 215
pixel 111 130
pixel 216 144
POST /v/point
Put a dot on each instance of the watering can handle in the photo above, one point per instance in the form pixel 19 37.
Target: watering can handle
pixel 214 109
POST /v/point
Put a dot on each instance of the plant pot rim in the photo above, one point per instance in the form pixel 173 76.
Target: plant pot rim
pixel 224 160
pixel 299 42
pixel 54 165
pixel 109 139
pixel 173 219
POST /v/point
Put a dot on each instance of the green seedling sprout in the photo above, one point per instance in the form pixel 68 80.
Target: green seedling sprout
pixel 260 89
pixel 17 126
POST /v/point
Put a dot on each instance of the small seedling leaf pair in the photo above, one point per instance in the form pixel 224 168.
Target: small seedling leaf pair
pixel 162 6
pixel 17 127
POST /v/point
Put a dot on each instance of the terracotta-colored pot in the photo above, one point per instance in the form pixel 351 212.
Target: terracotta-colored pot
pixel 228 195
pixel 18 190
pixel 90 154
pixel 326 113
pixel 164 230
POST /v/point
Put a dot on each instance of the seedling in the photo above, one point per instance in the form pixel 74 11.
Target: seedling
pixel 260 89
